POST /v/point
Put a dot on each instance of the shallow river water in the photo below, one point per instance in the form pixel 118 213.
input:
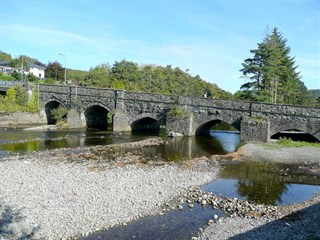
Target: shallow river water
pixel 267 183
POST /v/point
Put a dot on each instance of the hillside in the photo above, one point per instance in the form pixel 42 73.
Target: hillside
pixel 129 76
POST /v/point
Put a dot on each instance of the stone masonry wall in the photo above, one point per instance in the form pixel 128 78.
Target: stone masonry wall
pixel 128 107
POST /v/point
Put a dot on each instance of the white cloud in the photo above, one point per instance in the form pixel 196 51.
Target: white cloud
pixel 41 35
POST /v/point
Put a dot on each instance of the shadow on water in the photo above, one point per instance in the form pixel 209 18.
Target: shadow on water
pixel 177 224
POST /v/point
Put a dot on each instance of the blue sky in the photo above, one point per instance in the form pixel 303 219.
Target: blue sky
pixel 211 38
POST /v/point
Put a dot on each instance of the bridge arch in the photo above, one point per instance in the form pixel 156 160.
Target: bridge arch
pixel 300 131
pixel 295 135
pixel 145 124
pixel 204 129
pixel 96 116
pixel 48 107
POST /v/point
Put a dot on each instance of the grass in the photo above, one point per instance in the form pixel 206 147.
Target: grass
pixel 289 143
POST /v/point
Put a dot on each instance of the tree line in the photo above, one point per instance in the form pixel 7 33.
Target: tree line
pixel 269 75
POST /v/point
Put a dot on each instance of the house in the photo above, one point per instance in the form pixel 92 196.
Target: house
pixel 34 69
pixel 5 67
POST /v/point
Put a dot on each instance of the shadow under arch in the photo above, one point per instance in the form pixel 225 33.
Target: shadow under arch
pixel 217 125
pixel 145 124
pixel 96 117
pixel 49 106
pixel 295 135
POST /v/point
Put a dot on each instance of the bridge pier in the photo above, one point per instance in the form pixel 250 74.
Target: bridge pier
pixel 182 125
pixel 255 129
pixel 75 119
pixel 121 122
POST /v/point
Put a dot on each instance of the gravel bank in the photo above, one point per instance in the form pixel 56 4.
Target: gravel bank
pixel 275 153
pixel 43 197
pixel 65 193
pixel 296 223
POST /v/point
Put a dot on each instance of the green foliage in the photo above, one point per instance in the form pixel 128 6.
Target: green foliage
pixel 315 97
pixel 6 77
pixel 76 76
pixel 176 112
pixel 33 104
pixel 223 126
pixel 272 74
pixel 97 77
pixel 60 114
pixel 31 78
pixel 260 119
pixel 16 99
pixel 11 95
pixel 55 71
pixel 5 56
pixel 17 76
pixel 289 143
pixel 21 95
pixel 151 78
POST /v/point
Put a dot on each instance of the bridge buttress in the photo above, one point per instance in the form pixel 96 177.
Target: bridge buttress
pixel 254 129
pixel 182 125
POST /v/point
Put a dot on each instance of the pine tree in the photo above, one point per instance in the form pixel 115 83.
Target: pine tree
pixel 272 73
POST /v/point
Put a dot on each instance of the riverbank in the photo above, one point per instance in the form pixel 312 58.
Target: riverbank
pixel 299 221
pixel 20 118
pixel 59 195
pixel 68 193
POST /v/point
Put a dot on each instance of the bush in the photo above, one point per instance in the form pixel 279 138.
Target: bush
pixel 21 95
pixel 59 113
pixel 176 112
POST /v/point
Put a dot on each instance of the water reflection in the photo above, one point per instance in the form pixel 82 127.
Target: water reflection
pixel 17 140
pixel 266 183
pixel 229 140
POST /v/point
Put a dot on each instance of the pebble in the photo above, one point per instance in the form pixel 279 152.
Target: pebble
pixel 69 195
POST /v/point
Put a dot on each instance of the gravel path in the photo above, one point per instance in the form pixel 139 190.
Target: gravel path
pixel 41 197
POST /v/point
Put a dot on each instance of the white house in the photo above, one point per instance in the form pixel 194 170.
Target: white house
pixel 34 69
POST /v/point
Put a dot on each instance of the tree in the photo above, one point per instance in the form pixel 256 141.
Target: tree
pixel 272 73
pixel 5 56
pixel 98 77
pixel 55 71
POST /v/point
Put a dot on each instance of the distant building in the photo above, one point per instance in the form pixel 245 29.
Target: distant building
pixel 34 69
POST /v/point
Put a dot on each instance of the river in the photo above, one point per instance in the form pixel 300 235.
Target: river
pixel 256 182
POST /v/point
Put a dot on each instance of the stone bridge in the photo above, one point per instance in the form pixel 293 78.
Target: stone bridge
pixel 190 116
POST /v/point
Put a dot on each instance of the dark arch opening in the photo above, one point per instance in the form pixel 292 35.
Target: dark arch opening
pixel 51 120
pixel 295 135
pixel 96 117
pixel 215 125
pixel 146 124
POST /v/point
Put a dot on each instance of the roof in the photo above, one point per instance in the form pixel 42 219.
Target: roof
pixel 33 65
pixel 4 63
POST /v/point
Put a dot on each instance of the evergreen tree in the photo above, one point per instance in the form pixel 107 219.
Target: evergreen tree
pixel 272 73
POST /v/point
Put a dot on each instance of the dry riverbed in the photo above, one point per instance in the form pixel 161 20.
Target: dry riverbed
pixel 64 194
